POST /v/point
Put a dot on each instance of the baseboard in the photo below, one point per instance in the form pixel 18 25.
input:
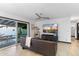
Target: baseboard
pixel 64 42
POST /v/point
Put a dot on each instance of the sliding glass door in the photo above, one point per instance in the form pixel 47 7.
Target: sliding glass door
pixel 12 31
pixel 7 32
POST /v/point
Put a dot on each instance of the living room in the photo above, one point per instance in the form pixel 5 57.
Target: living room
pixel 49 27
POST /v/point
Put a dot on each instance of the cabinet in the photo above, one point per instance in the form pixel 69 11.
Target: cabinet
pixel 49 37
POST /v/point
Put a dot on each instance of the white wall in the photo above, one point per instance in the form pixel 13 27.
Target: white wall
pixel 64 28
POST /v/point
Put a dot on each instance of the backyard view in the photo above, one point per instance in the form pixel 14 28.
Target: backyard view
pixel 7 34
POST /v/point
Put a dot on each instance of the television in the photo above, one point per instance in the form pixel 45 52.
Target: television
pixel 50 28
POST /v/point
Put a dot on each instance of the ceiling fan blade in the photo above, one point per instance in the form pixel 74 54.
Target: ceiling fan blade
pixel 37 15
pixel 46 17
pixel 38 18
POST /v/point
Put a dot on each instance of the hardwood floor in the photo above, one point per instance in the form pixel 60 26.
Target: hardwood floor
pixel 16 50
pixel 63 49
pixel 68 49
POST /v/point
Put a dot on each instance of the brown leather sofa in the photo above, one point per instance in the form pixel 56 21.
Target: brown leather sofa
pixel 46 48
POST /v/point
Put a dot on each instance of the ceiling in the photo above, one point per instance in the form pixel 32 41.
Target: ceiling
pixel 52 10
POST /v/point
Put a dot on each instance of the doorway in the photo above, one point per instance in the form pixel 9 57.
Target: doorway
pixel 73 31
pixel 22 31
pixel 77 31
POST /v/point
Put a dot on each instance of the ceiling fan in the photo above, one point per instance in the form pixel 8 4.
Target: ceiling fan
pixel 41 17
